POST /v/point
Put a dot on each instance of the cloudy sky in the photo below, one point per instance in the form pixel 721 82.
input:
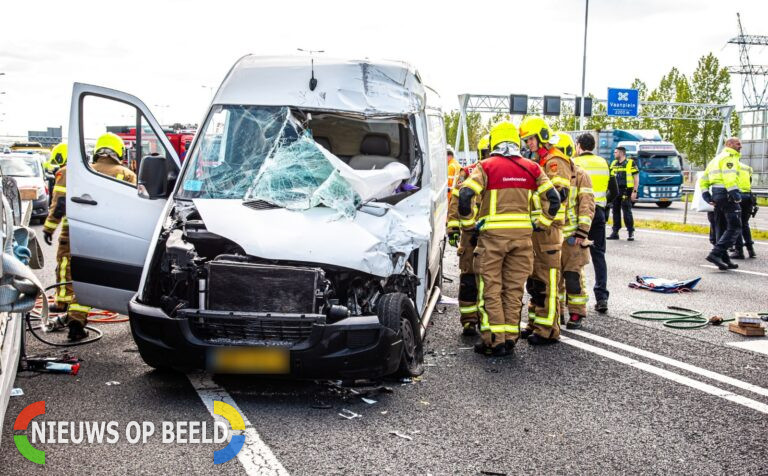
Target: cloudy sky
pixel 171 53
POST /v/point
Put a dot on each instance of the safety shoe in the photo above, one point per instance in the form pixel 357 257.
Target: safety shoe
pixel 751 251
pixel 613 236
pixel 631 236
pixel 728 262
pixel 470 329
pixel 715 259
pixel 58 308
pixel 76 331
pixel 574 322
pixel 602 306
pixel 526 333
pixel 738 254
pixel 500 350
pixel 510 345
pixel 536 339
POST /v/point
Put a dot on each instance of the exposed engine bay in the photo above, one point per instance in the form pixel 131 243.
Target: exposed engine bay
pixel 230 296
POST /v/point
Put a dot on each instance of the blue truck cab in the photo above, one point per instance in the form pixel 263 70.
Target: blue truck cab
pixel 659 163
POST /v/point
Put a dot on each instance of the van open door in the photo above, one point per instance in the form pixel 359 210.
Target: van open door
pixel 110 225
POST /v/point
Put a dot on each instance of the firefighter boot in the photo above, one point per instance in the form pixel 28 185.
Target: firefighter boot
pixel 751 251
pixel 76 331
pixel 727 260
pixel 575 321
pixel 715 258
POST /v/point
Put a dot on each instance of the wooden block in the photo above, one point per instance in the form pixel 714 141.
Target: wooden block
pixel 746 331
pixel 747 319
pixel 28 193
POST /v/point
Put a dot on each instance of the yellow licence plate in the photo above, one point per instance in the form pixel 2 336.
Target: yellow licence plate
pixel 255 360
pixel 663 199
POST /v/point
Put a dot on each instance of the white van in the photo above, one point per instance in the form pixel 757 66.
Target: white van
pixel 302 235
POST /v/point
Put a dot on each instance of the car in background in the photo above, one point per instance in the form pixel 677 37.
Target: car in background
pixel 30 178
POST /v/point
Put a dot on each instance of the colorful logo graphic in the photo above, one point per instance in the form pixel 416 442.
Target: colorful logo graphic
pixel 22 423
pixel 235 422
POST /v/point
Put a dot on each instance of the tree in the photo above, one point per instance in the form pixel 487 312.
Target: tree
pixel 710 84
pixel 475 129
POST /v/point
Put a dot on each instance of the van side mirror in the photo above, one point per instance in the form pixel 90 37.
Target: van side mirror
pixel 153 177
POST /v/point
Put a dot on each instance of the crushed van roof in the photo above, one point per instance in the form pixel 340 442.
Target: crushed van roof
pixel 362 86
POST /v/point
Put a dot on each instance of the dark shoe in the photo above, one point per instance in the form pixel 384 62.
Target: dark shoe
pixel 526 333
pixel 470 329
pixel 76 331
pixel 500 350
pixel 536 339
pixel 631 236
pixel 510 345
pixel 751 251
pixel 715 259
pixel 574 322
pixel 613 236
pixel 728 262
pixel 602 306
pixel 738 254
pixel 58 308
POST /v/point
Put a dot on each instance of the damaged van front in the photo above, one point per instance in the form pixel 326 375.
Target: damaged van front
pixel 303 234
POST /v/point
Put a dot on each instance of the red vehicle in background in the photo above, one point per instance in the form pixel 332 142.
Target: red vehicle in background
pixel 180 140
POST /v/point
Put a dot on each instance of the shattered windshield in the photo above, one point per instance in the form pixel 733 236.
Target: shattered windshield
pixel 256 153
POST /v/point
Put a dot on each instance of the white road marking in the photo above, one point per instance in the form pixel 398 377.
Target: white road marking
pixel 686 235
pixel 735 270
pixel 256 457
pixel 760 345
pixel 681 379
pixel 676 363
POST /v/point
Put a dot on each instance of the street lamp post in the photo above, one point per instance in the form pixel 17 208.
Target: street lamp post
pixel 584 67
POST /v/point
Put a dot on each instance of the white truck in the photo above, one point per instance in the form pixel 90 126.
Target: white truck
pixel 303 235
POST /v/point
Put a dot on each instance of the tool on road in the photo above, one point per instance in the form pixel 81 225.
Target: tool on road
pixel 662 285
pixel 677 318
pixel 55 365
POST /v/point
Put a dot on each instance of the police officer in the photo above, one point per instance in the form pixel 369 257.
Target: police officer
pixel 462 233
pixel 503 257
pixel 748 205
pixel 543 309
pixel 107 154
pixel 605 189
pixel 627 178
pixel 720 187
pixel 575 254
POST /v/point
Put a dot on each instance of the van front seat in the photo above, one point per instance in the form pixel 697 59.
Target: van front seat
pixel 374 153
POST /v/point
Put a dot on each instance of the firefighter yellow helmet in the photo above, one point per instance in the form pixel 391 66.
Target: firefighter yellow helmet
pixel 504 131
pixel 483 147
pixel 564 142
pixel 110 142
pixel 535 126
pixel 59 155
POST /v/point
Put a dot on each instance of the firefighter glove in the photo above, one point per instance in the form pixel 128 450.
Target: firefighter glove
pixel 453 238
pixel 48 236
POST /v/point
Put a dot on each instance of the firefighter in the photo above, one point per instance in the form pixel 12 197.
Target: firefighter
pixel 544 309
pixel 107 154
pixel 503 258
pixel 57 160
pixel 453 170
pixel 748 209
pixel 575 252
pixel 720 187
pixel 462 233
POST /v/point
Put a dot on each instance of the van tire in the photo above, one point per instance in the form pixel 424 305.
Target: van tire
pixel 397 312
pixel 663 204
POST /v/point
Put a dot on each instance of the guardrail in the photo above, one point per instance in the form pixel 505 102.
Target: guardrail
pixel 760 192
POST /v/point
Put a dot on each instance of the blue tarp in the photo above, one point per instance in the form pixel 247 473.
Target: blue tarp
pixel 662 285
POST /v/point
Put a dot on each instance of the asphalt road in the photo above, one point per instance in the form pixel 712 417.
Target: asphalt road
pixel 623 396
pixel 676 213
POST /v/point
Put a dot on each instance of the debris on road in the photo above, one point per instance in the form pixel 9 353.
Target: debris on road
pixel 662 285
pixel 492 473
pixel 369 401
pixel 747 330
pixel 112 382
pixel 349 414
pixel 448 300
pixel 401 435
pixel 17 392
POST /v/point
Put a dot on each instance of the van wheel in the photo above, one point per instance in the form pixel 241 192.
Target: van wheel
pixel 396 312
pixel 663 204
